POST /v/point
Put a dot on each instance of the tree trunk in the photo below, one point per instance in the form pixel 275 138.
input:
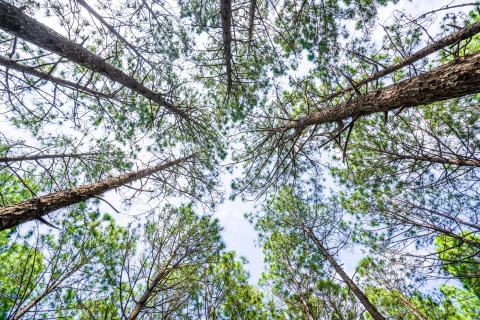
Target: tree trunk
pixel 14 21
pixel 251 20
pixel 372 310
pixel 452 80
pixel 226 15
pixel 22 212
pixel 451 39
pixel 142 302
pixel 454 160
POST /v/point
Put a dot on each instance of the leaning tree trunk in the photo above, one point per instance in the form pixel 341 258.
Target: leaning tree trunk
pixel 36 208
pixel 372 310
pixel 451 39
pixel 148 293
pixel 452 80
pixel 226 16
pixel 14 21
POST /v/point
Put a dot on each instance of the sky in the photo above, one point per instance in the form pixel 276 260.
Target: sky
pixel 238 233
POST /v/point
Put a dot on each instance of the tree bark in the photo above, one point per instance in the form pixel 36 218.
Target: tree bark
pixel 372 310
pixel 452 80
pixel 251 20
pixel 452 160
pixel 22 212
pixel 226 15
pixel 451 39
pixel 14 21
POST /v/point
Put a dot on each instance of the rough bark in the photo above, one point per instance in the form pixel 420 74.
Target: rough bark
pixel 251 20
pixel 454 161
pixel 11 64
pixel 451 39
pixel 452 80
pixel 226 15
pixel 372 310
pixel 46 156
pixel 14 21
pixel 22 212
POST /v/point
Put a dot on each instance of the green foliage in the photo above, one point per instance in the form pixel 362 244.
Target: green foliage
pixel 461 260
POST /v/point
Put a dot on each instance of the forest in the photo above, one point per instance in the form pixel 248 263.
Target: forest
pixel 133 132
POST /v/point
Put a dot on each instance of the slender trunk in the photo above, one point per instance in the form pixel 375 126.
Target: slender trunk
pixel 452 80
pixel 455 160
pixel 410 306
pixel 22 212
pixel 372 310
pixel 142 302
pixel 226 15
pixel 46 156
pixel 463 162
pixel 11 64
pixel 407 220
pixel 251 20
pixel 14 21
pixel 451 39
pixel 50 288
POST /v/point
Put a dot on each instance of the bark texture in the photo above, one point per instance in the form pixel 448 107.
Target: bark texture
pixel 452 80
pixel 14 21
pixel 226 15
pixel 462 162
pixel 14 215
pixel 451 39
pixel 372 310
pixel 251 19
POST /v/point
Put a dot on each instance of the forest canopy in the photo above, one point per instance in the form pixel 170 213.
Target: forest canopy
pixel 352 126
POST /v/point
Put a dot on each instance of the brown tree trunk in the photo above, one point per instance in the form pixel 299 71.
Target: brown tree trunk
pixel 372 310
pixel 46 76
pixel 226 15
pixel 14 21
pixel 142 302
pixel 455 160
pixel 452 80
pixel 22 212
pixel 251 20
pixel 46 156
pixel 451 39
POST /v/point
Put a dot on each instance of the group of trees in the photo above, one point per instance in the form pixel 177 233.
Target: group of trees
pixel 356 142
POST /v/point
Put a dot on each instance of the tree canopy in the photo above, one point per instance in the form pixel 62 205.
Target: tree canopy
pixel 353 125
